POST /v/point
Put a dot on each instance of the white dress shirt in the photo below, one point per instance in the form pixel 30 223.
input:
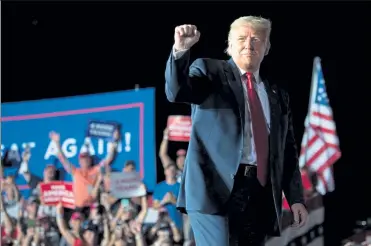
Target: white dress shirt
pixel 249 153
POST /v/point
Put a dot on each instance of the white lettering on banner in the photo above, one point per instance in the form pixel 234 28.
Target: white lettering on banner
pixel 127 141
pixel 88 143
pixel 100 145
pixel 70 147
pixel 105 127
pixel 185 127
pixel 15 146
pixel 58 193
pixel 180 134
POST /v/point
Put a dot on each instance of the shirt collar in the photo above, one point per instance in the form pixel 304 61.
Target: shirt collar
pixel 256 74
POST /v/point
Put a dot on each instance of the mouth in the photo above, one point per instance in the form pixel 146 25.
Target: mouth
pixel 248 54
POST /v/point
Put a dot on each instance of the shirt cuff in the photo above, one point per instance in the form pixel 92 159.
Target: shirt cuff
pixel 178 53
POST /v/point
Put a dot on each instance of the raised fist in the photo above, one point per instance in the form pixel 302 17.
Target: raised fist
pixel 185 37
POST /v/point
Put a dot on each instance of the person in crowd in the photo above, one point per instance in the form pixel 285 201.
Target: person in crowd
pixel 141 202
pixel 9 232
pixel 77 237
pixel 102 186
pixel 84 177
pixel 164 232
pixel 10 195
pixel 24 171
pixel 49 175
pixel 166 159
pixel 165 195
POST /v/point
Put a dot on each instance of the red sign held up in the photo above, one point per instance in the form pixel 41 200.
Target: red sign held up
pixel 57 191
pixel 179 128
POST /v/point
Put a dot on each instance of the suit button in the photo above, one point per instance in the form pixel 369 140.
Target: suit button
pixel 232 176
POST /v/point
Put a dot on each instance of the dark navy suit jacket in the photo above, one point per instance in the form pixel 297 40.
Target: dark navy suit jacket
pixel 214 90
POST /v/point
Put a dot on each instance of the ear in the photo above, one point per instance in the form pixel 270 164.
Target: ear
pixel 268 48
pixel 228 50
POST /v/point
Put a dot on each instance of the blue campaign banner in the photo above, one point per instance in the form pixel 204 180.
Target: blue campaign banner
pixel 29 123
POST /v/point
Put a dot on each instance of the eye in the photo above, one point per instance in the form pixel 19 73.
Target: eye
pixel 255 39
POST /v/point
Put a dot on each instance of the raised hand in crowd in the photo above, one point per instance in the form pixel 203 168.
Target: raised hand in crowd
pixel 166 133
pixel 54 136
pixel 136 229
pixel 23 169
pixel 163 151
pixel 116 135
pixel 26 155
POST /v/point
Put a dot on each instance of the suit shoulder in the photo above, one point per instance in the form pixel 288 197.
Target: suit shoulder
pixel 210 64
pixel 209 61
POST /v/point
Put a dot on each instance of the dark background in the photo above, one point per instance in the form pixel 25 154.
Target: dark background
pixel 64 49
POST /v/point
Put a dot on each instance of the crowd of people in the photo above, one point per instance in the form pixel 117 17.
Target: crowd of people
pixel 98 217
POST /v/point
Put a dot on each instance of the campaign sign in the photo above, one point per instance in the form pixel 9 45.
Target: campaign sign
pixel 126 185
pixel 179 128
pixel 101 129
pixel 57 191
pixel 29 123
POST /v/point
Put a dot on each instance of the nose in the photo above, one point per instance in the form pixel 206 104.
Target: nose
pixel 249 44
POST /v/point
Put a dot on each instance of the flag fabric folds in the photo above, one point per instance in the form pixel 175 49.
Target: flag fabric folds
pixel 320 143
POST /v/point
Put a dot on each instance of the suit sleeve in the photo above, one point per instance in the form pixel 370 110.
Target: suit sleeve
pixel 185 83
pixel 292 183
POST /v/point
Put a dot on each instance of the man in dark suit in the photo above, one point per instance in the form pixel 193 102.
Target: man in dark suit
pixel 242 153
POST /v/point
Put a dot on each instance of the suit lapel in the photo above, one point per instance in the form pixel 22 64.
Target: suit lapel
pixel 275 112
pixel 234 80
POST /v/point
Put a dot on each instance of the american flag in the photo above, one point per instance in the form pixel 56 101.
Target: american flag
pixel 320 144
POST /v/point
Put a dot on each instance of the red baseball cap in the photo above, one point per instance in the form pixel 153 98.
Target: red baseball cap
pixel 76 216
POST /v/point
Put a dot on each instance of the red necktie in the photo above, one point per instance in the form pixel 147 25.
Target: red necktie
pixel 259 128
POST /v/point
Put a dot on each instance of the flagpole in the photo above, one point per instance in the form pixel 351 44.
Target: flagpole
pixel 315 61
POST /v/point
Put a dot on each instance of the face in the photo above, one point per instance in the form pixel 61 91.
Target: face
pixel 180 161
pixel 164 236
pixel 32 207
pixel 85 162
pixel 129 168
pixel 126 215
pixel 94 213
pixel 170 171
pixel 49 173
pixel 248 47
pixel 89 237
pixel 76 224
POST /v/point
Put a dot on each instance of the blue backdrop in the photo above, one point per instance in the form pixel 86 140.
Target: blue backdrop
pixel 30 122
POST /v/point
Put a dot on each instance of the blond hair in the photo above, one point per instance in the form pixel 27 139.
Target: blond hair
pixel 256 22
